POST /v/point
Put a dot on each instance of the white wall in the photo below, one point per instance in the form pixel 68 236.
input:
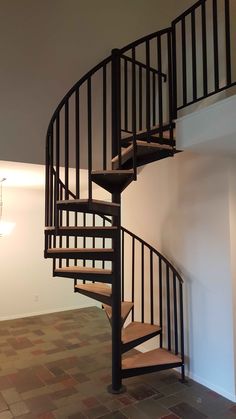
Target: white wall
pixel 27 285
pixel 181 206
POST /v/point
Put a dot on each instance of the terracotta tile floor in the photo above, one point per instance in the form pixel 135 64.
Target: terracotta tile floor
pixel 58 366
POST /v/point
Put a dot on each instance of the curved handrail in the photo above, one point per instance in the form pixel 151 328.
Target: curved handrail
pixel 154 250
pixel 75 87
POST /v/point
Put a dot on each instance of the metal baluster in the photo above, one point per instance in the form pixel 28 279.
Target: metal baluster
pixel 168 306
pixel 227 42
pixel 142 283
pixel 134 113
pixel 89 105
pixel 160 93
pixel 140 98
pixel 194 56
pixel 160 302
pixel 151 289
pixel 104 118
pixel 184 62
pixel 215 43
pixel 77 143
pixel 175 315
pixel 204 50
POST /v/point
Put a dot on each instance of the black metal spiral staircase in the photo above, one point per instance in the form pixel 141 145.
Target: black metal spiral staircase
pixel 119 116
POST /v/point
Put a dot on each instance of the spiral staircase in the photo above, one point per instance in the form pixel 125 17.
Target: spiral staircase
pixel 118 117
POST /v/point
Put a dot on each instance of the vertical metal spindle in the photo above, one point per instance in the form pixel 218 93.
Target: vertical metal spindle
pixel 47 187
pixel 140 98
pixel 75 238
pixel 194 55
pixel 93 240
pixel 51 174
pixel 103 243
pixel 67 167
pixel 151 289
pixel 57 174
pixel 174 66
pixel 67 150
pixel 134 113
pixel 153 99
pixel 168 306
pixel 170 85
pixel 215 43
pixel 175 315
pixel 104 117
pixel 126 95
pixel 184 61
pixel 77 143
pixel 84 240
pixel 89 105
pixel 148 113
pixel 160 301
pixel 116 105
pixel 60 224
pixel 122 264
pixel 142 283
pixel 181 324
pixel 204 50
pixel 227 43
pixel 160 93
pixel 133 272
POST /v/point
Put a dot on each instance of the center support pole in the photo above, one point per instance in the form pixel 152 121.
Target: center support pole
pixel 116 387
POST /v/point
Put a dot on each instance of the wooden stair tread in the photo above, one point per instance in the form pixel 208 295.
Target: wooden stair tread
pixel 93 206
pixel 87 201
pixel 84 269
pixel 90 228
pixel 75 250
pixel 148 359
pixel 136 330
pixel 102 289
pixel 126 307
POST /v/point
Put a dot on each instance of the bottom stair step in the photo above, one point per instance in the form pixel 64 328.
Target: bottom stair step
pixel 156 360
pixel 99 292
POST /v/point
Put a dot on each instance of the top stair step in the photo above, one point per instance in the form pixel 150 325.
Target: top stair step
pixel 89 205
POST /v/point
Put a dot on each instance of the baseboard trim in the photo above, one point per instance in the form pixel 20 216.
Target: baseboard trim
pixel 200 380
pixel 41 312
pixel 213 387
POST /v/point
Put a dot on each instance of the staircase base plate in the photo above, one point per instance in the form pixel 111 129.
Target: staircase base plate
pixel 121 390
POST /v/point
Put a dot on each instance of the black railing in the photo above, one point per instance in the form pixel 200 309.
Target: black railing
pixel 155 288
pixel 202 50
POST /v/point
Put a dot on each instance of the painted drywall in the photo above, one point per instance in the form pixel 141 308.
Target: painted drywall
pixel 210 130
pixel 26 280
pixel 46 46
pixel 181 206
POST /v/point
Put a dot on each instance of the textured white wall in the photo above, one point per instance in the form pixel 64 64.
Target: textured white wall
pixel 181 206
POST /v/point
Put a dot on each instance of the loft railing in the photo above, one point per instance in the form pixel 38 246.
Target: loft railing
pixel 202 52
